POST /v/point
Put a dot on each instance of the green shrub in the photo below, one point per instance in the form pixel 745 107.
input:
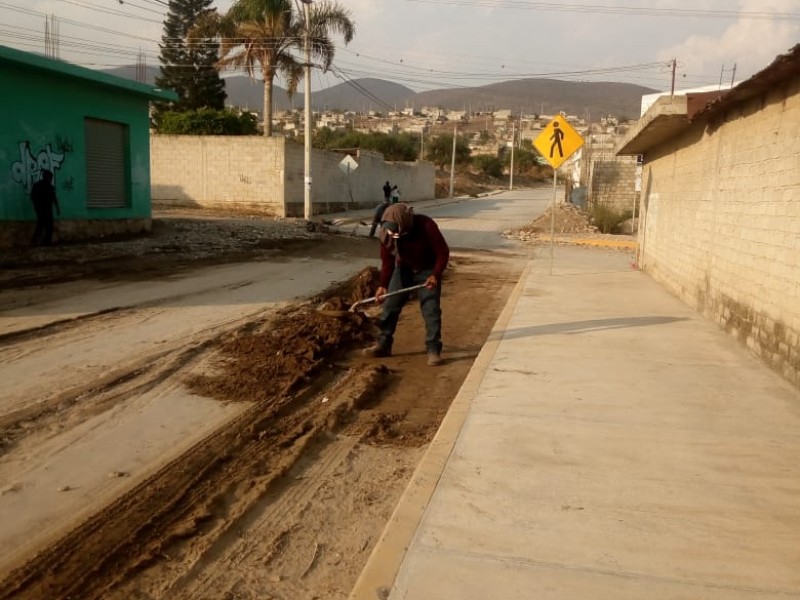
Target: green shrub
pixel 207 121
pixel 606 218
pixel 488 165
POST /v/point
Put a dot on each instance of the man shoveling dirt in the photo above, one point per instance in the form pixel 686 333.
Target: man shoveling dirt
pixel 413 252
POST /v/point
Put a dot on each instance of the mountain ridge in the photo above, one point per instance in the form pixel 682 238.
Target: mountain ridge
pixel 527 95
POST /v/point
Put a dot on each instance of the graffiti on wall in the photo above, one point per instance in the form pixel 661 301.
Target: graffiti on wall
pixel 28 169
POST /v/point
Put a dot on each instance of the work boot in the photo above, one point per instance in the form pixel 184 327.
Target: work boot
pixel 377 350
pixel 434 358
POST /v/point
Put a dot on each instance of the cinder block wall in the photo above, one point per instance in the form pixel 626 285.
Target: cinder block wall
pixel 232 172
pixel 609 179
pixel 267 175
pixel 721 224
pixel 329 190
pixel 614 182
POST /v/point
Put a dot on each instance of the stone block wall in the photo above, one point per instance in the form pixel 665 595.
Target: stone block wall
pixel 721 223
pixel 267 175
pixel 609 179
pixel 614 182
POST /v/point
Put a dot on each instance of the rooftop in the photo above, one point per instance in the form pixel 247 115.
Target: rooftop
pixel 64 69
pixel 668 116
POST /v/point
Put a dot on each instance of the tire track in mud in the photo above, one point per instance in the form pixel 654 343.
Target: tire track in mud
pixel 188 524
pixel 58 326
pixel 268 516
pixel 137 377
pixel 213 484
pixel 201 491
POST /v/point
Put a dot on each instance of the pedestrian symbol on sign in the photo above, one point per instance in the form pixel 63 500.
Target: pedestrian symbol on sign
pixel 557 142
pixel 558 135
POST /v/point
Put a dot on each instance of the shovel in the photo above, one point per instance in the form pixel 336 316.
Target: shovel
pixel 395 293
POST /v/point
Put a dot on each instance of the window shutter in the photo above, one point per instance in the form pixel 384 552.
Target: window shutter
pixel 105 165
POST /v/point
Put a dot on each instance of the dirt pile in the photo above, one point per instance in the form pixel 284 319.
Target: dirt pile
pixel 568 219
pixel 343 295
pixel 172 244
pixel 256 366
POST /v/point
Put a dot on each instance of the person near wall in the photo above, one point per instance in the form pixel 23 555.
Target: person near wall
pixel 43 196
pixel 387 192
pixel 413 252
pixel 395 195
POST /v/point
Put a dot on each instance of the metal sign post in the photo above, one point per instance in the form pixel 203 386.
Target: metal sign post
pixel 553 219
pixel 557 142
pixel 347 165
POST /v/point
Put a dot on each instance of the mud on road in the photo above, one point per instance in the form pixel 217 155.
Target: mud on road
pixel 287 499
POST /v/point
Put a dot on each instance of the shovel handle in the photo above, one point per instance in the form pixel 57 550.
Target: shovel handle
pixel 395 293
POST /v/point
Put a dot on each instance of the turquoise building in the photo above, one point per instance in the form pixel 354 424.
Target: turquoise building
pixel 90 129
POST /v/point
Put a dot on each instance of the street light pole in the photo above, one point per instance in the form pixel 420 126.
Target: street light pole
pixel 511 170
pixel 307 210
pixel 453 160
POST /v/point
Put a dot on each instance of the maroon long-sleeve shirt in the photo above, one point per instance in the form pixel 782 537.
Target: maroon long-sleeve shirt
pixel 422 248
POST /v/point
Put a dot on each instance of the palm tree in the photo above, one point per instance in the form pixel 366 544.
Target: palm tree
pixel 263 35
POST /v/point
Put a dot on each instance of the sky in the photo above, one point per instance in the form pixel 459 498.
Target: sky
pixel 433 44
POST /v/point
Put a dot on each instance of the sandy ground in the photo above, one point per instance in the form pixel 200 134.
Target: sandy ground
pixel 205 433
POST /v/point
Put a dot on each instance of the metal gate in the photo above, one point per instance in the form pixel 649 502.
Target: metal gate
pixel 106 172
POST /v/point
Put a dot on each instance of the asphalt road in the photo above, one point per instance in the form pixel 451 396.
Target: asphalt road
pixel 477 224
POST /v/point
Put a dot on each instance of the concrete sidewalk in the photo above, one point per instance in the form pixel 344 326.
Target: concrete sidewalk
pixel 609 443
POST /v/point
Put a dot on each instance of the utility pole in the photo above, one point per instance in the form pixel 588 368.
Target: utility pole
pixel 307 210
pixel 733 76
pixel 674 67
pixel 511 179
pixel 453 160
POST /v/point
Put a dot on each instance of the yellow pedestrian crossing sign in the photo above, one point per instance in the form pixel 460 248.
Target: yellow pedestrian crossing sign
pixel 557 142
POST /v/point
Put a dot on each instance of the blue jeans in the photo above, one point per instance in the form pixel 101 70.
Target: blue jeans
pixel 429 304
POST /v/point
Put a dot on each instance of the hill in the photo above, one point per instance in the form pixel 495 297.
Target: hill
pixel 377 94
pixel 529 95
pixel 241 91
pixel 543 96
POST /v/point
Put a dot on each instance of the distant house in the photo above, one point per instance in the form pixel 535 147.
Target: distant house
pixel 90 129
pixel 457 115
pixel 720 206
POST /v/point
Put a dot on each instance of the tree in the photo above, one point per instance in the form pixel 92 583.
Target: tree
pixel 262 36
pixel 440 150
pixel 394 147
pixel 188 69
pixel 524 160
pixel 208 121
pixel 488 165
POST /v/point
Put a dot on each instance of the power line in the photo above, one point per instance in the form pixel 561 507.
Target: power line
pixel 359 88
pixel 613 10
pixel 76 23
pixel 403 71
pixel 116 13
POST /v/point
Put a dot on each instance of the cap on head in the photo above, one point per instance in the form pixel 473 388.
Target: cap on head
pixel 391 228
pixel 47 175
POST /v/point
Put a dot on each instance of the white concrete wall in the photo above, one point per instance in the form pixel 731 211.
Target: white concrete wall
pixel 721 223
pixel 266 175
pixel 233 172
pixel 329 190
